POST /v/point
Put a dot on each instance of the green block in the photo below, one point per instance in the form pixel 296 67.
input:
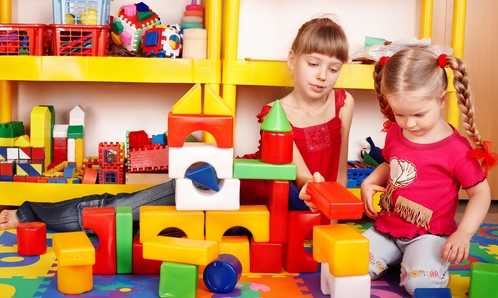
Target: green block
pixel 11 129
pixel 117 27
pixel 276 120
pixel 483 280
pixel 124 239
pixel 256 169
pixel 178 280
pixel 75 132
pixel 144 15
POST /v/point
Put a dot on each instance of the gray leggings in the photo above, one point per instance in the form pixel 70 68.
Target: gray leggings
pixel 420 259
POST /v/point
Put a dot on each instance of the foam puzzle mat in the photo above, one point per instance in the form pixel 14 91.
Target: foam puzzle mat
pixel 36 276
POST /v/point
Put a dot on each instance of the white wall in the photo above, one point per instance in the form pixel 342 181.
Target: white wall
pixel 267 29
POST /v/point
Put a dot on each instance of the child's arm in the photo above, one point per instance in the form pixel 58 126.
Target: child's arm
pixel 477 208
pixel 346 115
pixel 374 183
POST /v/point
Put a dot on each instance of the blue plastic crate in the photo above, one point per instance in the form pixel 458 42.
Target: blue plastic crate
pixel 81 12
pixel 359 174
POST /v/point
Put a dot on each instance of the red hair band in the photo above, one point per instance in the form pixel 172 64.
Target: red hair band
pixel 383 60
pixel 489 158
pixel 387 124
pixel 441 60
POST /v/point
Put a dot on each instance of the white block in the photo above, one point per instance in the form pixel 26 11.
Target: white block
pixel 189 197
pixel 77 116
pixel 180 159
pixel 356 286
pixel 60 131
pixel 12 153
pixel 71 144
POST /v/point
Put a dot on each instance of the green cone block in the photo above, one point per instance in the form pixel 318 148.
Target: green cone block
pixel 276 120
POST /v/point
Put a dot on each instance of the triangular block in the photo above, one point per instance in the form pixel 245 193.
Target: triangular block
pixel 190 103
pixel 214 104
pixel 276 120
pixel 204 174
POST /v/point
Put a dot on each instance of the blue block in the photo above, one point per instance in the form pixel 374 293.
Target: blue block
pixel 159 139
pixel 432 293
pixel 295 203
pixel 204 174
pixel 222 275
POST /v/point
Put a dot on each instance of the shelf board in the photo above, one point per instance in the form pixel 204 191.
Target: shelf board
pixel 109 69
pixel 15 193
pixel 277 73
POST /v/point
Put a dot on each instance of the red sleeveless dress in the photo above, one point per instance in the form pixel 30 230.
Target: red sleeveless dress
pixel 320 147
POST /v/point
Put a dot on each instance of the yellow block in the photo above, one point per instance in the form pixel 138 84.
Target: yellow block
pixel 75 258
pixel 73 249
pixel 376 197
pixel 214 104
pixel 239 247
pixel 343 248
pixel 254 218
pixel 73 280
pixel 190 103
pixel 180 250
pixel 154 219
pixel 23 141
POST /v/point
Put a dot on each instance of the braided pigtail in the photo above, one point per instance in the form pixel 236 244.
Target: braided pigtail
pixel 385 108
pixel 482 151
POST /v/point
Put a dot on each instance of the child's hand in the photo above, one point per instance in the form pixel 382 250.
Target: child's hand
pixel 367 193
pixel 317 177
pixel 457 246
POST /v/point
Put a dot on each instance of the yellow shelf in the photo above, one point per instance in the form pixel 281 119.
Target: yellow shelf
pixel 276 73
pixel 15 193
pixel 109 69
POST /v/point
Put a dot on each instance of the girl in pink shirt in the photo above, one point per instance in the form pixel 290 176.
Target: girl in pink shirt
pixel 427 162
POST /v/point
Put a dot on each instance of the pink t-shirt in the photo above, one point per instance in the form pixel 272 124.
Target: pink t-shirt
pixel 425 180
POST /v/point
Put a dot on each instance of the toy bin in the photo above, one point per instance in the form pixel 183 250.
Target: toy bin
pixel 23 39
pixel 359 174
pixel 79 40
pixel 81 12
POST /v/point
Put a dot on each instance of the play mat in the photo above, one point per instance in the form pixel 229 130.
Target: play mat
pixel 36 276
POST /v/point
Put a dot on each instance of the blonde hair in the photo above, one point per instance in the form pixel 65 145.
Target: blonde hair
pixel 417 71
pixel 322 36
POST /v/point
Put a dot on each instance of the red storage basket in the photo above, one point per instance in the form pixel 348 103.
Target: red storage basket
pixel 80 40
pixel 24 39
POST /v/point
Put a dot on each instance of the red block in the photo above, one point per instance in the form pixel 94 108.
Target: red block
pixel 31 238
pixel 276 147
pixel 37 153
pixel 335 201
pixel 180 126
pixel 141 265
pixel 295 257
pixel 279 196
pixel 102 220
pixel 19 178
pixel 32 179
pixel 7 168
pixel 266 257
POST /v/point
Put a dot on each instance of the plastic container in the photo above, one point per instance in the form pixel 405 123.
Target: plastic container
pixel 359 174
pixel 24 39
pixel 81 12
pixel 79 40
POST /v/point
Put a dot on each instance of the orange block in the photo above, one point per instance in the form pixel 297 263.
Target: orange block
pixel 335 201
pixel 182 125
